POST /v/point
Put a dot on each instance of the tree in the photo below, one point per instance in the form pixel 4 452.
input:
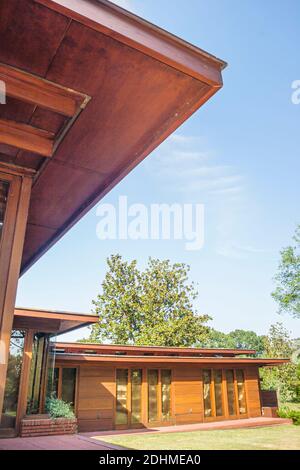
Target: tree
pixel 287 292
pixel 237 339
pixel 150 307
pixel 284 378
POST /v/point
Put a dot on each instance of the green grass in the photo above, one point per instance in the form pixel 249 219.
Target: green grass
pixel 285 437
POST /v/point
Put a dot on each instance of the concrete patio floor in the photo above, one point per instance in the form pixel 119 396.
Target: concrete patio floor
pixel 93 441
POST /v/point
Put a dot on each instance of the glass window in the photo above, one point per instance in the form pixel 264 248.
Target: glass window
pixel 230 392
pixel 241 391
pixel 136 395
pixel 152 395
pixel 207 392
pixel 218 392
pixel 166 394
pixel 68 385
pixel 37 369
pixel 121 396
pixel 4 186
pixel 11 392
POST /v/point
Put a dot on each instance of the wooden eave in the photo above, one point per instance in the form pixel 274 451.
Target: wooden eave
pixel 155 350
pixel 92 358
pixel 48 321
pixel 91 90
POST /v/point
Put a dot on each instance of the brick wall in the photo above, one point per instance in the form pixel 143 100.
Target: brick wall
pixel 47 427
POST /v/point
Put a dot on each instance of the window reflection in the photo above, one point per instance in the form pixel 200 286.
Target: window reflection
pixel 121 395
pixel 152 395
pixel 136 395
pixel 218 392
pixel 166 395
pixel 241 391
pixel 207 393
pixel 14 368
pixel 38 367
pixel 230 392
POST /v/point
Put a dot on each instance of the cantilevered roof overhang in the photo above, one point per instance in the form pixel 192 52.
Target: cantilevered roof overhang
pixel 50 321
pixel 91 90
pixel 101 358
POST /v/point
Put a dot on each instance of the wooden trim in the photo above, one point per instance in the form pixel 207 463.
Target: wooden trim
pixel 216 361
pixel 139 349
pixel 24 381
pixel 26 137
pixel 11 249
pixel 139 34
pixel 40 92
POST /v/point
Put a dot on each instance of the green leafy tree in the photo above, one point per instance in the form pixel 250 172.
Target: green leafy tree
pixel 237 339
pixel 287 292
pixel 284 378
pixel 150 307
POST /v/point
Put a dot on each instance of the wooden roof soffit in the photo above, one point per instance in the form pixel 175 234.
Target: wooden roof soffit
pixel 44 94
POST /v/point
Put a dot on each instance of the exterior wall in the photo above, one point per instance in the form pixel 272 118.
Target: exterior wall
pixel 188 395
pixel 253 391
pixel 96 395
pixel 95 398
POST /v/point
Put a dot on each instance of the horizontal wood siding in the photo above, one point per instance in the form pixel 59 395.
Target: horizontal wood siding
pixel 253 391
pixel 96 392
pixel 187 383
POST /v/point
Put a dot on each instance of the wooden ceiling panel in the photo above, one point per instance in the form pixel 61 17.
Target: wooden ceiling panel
pixel 142 82
pixel 32 51
pixel 60 190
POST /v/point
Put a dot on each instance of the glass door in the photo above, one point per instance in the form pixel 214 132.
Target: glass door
pixel 224 394
pixel 14 369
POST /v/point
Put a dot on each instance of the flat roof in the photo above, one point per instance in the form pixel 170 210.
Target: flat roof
pixel 49 321
pixel 132 350
pixel 164 360
pixel 94 89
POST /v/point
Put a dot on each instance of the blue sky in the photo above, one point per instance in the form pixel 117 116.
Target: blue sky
pixel 238 155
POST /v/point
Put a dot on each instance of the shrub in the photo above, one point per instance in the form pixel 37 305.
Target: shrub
pixel 58 408
pixel 286 412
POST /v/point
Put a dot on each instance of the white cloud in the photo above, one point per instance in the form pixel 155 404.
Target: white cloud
pixel 230 249
pixel 184 163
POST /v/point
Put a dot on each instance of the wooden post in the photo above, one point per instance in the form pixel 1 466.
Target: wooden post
pixel 11 248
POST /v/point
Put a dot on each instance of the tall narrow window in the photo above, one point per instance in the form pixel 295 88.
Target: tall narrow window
pixel 68 385
pixel 207 393
pixel 4 186
pixel 230 392
pixel 152 395
pixel 166 395
pixel 121 396
pixel 11 392
pixel 37 369
pixel 241 391
pixel 136 396
pixel 218 392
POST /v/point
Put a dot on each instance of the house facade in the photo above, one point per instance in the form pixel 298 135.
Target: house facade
pixel 121 387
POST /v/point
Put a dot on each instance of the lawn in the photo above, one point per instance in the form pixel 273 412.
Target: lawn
pixel 285 437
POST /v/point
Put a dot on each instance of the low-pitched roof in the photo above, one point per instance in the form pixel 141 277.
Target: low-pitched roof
pixel 50 321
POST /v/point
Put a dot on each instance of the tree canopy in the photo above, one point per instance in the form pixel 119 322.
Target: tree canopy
pixel 149 307
pixel 287 292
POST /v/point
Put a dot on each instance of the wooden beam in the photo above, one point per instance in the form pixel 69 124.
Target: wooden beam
pixel 41 92
pixel 26 137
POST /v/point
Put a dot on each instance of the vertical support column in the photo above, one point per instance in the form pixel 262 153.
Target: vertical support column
pixel 11 249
